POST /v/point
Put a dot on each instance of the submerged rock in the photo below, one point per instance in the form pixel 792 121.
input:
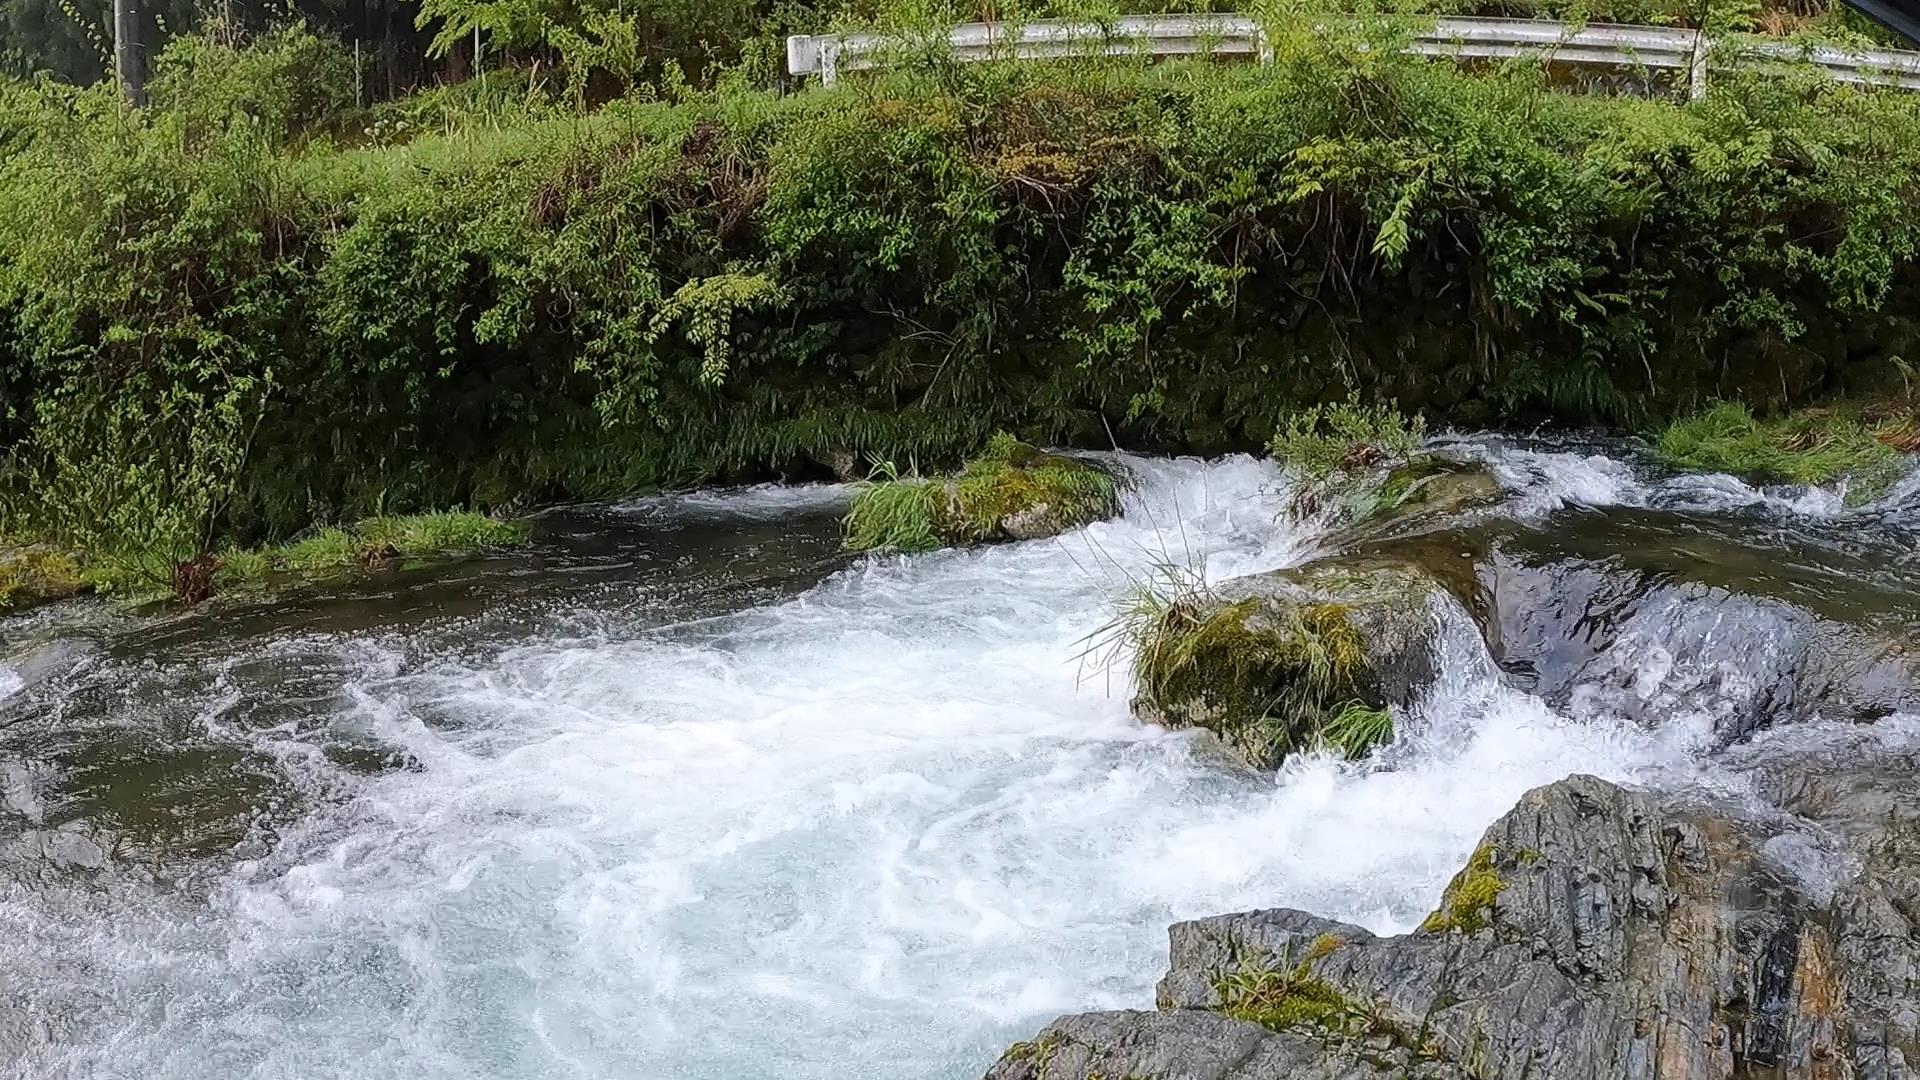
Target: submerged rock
pixel 1011 492
pixel 1292 660
pixel 1614 935
pixel 1412 497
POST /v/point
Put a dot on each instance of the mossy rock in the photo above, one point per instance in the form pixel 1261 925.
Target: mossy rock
pixel 1412 496
pixel 1300 659
pixel 35 575
pixel 1011 492
pixel 1467 905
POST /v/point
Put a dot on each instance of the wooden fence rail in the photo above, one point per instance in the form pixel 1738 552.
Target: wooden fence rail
pixel 1650 47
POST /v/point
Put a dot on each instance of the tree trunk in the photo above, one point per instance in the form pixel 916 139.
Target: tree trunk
pixel 129 57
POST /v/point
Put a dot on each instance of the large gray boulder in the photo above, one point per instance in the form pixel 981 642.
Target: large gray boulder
pixel 1599 933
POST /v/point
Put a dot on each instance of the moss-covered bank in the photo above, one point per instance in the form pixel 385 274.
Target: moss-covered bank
pixel 31 575
pixel 231 315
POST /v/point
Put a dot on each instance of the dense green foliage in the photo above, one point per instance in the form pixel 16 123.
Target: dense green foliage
pixel 1322 440
pixel 252 307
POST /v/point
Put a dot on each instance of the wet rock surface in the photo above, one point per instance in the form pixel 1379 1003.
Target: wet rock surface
pixel 1630 935
pixel 1659 616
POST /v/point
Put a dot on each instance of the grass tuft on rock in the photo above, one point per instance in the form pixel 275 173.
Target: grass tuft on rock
pixel 1467 903
pixel 1011 491
pixel 1279 998
pixel 895 515
pixel 1354 729
pixel 1268 677
pixel 1809 447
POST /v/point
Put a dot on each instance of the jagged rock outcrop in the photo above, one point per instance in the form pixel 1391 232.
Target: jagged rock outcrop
pixel 1599 933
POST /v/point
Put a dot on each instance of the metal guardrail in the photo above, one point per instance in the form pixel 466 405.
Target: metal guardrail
pixel 1692 51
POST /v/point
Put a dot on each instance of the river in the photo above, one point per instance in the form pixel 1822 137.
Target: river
pixel 684 792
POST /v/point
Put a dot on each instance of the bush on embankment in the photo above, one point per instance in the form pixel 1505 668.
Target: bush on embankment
pixel 237 313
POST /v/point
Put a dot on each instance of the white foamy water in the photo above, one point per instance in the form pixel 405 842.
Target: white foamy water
pixel 1548 479
pixel 878 830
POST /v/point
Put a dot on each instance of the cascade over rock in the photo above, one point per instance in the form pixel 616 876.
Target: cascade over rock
pixel 1654 614
pixel 1618 934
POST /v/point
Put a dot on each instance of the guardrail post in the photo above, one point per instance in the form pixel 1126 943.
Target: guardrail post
pixel 1262 46
pixel 1697 70
pixel 829 63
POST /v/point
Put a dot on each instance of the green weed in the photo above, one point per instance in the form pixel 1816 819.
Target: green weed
pixel 1801 448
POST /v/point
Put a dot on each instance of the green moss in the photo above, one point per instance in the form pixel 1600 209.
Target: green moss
pixel 37 575
pixel 1268 677
pixel 413 536
pixel 1039 1051
pixel 1801 448
pixel 1279 998
pixel 1010 479
pixel 1467 904
pixel 1323 946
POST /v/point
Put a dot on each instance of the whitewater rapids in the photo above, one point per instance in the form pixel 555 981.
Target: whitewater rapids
pixel 880 827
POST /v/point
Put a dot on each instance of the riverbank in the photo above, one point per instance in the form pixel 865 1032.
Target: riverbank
pixel 240 312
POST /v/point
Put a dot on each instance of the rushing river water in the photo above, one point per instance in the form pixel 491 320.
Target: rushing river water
pixel 686 793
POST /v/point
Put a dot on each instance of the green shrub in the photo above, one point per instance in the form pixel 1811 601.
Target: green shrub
pixel 226 317
pixel 1346 437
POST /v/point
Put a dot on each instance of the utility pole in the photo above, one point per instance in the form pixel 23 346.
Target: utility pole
pixel 129 59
